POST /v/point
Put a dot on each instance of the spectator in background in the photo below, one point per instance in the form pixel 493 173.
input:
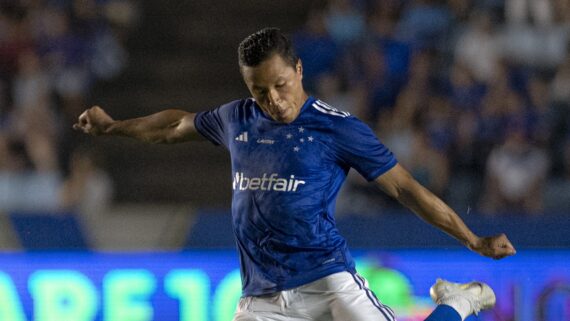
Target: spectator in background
pixel 466 163
pixel 316 48
pixel 383 18
pixel 376 85
pixel 557 196
pixel 51 49
pixel 7 162
pixel 540 111
pixel 432 138
pixel 493 113
pixel 422 73
pixel 515 175
pixel 460 9
pixel 381 27
pixel 560 109
pixel 88 189
pixel 30 172
pixel 465 92
pixel 561 10
pixel 344 22
pixel 534 36
pixel 65 51
pixel 478 48
pixel 432 169
pixel 518 12
pixel 34 122
pixel 15 39
pixel 332 88
pixel 439 121
pixel 464 156
pixel 397 131
pixel 560 86
pixel 491 82
pixel 386 73
pixel 109 57
pixel 425 24
pixel 515 111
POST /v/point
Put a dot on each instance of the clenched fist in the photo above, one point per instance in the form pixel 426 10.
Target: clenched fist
pixel 496 247
pixel 94 121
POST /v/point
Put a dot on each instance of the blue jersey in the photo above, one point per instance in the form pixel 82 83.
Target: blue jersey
pixel 285 181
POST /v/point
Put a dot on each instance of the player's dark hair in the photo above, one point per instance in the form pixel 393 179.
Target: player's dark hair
pixel 263 44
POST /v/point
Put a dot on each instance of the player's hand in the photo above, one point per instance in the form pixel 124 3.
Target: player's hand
pixel 496 247
pixel 93 121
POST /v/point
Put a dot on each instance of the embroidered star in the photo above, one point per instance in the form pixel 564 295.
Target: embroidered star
pixel 301 129
pixel 296 148
pixel 289 136
pixel 302 140
pixel 311 138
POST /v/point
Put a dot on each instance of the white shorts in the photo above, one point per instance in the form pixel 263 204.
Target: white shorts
pixel 337 297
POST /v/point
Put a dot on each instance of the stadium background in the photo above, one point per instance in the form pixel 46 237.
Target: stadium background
pixel 112 229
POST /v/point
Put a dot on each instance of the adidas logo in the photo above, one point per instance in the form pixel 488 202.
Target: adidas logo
pixel 242 137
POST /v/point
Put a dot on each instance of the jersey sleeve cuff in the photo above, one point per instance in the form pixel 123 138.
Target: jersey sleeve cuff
pixel 377 173
pixel 201 130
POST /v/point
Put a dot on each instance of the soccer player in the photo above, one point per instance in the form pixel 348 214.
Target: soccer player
pixel 290 153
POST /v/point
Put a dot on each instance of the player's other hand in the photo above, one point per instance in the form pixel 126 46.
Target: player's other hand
pixel 496 247
pixel 93 121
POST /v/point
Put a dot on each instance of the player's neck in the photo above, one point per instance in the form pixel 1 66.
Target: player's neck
pixel 303 101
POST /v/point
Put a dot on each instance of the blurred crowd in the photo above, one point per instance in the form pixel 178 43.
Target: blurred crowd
pixel 51 54
pixel 473 97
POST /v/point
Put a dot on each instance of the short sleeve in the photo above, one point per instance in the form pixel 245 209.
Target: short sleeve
pixel 356 146
pixel 213 124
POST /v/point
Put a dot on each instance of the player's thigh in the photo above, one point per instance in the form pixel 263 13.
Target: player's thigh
pixel 246 312
pixel 355 301
pixel 257 316
pixel 359 307
pixel 263 316
pixel 263 309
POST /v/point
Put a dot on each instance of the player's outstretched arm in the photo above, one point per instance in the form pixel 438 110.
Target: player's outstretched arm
pixel 399 184
pixel 166 127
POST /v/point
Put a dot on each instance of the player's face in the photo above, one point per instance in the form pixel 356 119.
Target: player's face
pixel 277 88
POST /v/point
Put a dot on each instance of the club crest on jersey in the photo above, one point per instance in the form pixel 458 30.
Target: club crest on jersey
pixel 267 182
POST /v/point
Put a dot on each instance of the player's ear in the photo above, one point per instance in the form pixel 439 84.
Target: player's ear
pixel 299 67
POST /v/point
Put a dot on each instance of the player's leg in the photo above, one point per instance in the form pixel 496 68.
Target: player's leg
pixel 278 306
pixel 346 296
pixel 337 297
pixel 457 301
pixel 259 308
pixel 444 313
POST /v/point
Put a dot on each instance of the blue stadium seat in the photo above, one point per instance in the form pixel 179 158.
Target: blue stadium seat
pixel 48 231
